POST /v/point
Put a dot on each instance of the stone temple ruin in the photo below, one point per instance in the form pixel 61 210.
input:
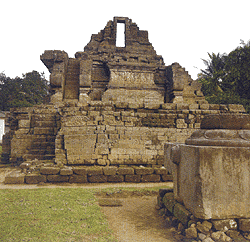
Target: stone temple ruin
pixel 109 112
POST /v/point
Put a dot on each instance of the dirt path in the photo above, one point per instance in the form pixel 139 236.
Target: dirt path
pixel 136 220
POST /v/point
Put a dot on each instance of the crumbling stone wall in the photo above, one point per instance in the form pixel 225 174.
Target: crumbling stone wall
pixel 131 74
pixel 103 134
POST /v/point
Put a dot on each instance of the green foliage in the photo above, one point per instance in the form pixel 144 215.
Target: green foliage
pixel 51 215
pixel 22 92
pixel 226 78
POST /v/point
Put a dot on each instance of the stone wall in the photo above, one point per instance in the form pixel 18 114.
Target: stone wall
pixel 103 134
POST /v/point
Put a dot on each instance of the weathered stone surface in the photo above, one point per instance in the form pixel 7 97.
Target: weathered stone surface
pixel 80 170
pixel 224 225
pixel 226 121
pixel 169 201
pixel 94 171
pixel 204 227
pixel 208 239
pixel 143 170
pixel 66 172
pixel 220 236
pixel 49 170
pixel 236 108
pixel 57 178
pixel 35 178
pixel 225 168
pixel 244 225
pixel 125 171
pixel 133 178
pixel 15 177
pixel 78 179
pixel 116 178
pixel 181 213
pixel 151 178
pixel 161 171
pixel 202 236
pixel 110 170
pixel 236 236
pixel 191 233
pixel 167 178
pixel 97 178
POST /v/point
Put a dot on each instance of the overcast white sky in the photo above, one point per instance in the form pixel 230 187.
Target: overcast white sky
pixel 180 30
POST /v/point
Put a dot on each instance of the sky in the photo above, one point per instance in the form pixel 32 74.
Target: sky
pixel 182 31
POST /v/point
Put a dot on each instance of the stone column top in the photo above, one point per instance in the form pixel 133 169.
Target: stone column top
pixel 232 130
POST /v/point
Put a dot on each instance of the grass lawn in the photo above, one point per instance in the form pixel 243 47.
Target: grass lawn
pixel 59 214
pixel 52 215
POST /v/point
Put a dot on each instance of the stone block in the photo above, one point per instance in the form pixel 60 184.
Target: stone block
pixel 49 170
pixel 169 202
pixel 78 178
pixel 97 178
pixel 15 177
pixel 125 171
pixel 191 233
pixel 116 178
pixel 182 106
pixel 204 227
pixel 23 123
pixel 35 178
pixel 143 170
pixel 135 105
pixel 224 224
pixel 228 172
pixel 169 106
pixel 66 171
pixel 204 106
pixel 236 108
pixel 133 178
pixel 244 225
pixel 121 105
pixel 152 105
pixel 193 106
pixel 110 170
pixel 220 236
pixel 181 213
pixel 214 106
pixel 80 170
pixel 57 178
pixel 161 171
pixel 236 236
pixel 91 171
pixel 151 178
pixel 167 177
pixel 101 162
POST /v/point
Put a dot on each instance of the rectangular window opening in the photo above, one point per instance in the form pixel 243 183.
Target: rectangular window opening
pixel 120 35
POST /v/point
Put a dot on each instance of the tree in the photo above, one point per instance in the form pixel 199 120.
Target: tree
pixel 22 92
pixel 226 78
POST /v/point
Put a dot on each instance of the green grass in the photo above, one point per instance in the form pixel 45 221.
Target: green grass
pixel 60 214
pixel 132 189
pixel 52 215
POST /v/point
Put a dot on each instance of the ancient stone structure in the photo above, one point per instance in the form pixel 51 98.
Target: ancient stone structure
pixel 109 107
pixel 211 174
pixel 131 74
